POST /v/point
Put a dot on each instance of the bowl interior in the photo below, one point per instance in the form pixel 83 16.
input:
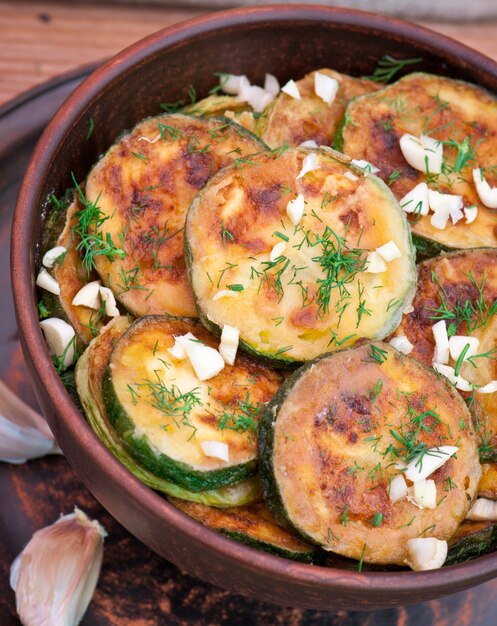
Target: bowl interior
pixel 287 42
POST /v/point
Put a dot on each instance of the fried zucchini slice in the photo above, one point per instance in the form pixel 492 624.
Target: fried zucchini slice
pixel 69 271
pixel 90 370
pixel 472 539
pixel 143 187
pixel 163 413
pixel 461 288
pixel 291 121
pixel 314 295
pixel 330 442
pixel 488 483
pixel 251 525
pixel 463 117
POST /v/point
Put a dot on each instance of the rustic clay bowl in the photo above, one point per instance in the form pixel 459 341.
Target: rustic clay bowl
pixel 288 42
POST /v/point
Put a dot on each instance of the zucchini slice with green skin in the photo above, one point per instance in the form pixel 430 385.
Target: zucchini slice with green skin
pixel 163 413
pixel 89 376
pixel 251 525
pixel 461 115
pixel 330 441
pixel 143 187
pixel 315 295
pixel 292 121
pixel 224 106
pixel 70 273
pixel 471 540
pixel 461 288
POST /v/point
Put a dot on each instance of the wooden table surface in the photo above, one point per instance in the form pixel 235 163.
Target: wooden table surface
pixel 39 40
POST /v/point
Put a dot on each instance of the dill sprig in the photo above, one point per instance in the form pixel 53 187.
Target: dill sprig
pixel 93 242
pixel 244 416
pixel 340 264
pixel 474 313
pixel 388 67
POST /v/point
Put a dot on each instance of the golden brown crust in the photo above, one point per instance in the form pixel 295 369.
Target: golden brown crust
pixel 144 186
pixel 446 110
pixel 255 521
pixel 292 121
pixel 465 276
pixel 333 453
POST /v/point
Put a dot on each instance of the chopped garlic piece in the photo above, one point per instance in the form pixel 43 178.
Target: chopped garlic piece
pixel 422 153
pixel 470 213
pixel 422 466
pixel 351 176
pixel 441 354
pixel 47 282
pixel 271 85
pixel 375 264
pixel 224 293
pixel 449 372
pixel 426 553
pixel 389 251
pixel 109 300
pixel 277 251
pixel 439 220
pixel 490 387
pixel 445 205
pixel 89 296
pixel 408 309
pixel 425 493
pixel 309 164
pixel 291 89
pixel 325 87
pixel 416 201
pixel 483 510
pixel 52 255
pixel 295 209
pixel 310 143
pixel 228 347
pixel 55 575
pixel 216 450
pixel 365 165
pixel 487 194
pixel 458 343
pixel 255 96
pixel 402 344
pixel 397 489
pixel 232 84
pixel 178 351
pixel 60 337
pixel 206 361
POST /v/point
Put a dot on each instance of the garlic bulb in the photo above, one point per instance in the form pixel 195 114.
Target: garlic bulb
pixel 24 434
pixel 54 577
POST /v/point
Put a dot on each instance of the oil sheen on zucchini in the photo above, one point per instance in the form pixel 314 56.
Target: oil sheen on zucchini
pixel 69 272
pixel 89 376
pixel 459 114
pixel 163 413
pixel 472 539
pixel 330 440
pixel 292 121
pixel 143 187
pixel 461 288
pixel 315 295
pixel 251 525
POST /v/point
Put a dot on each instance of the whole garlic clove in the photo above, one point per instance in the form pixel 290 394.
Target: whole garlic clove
pixel 55 575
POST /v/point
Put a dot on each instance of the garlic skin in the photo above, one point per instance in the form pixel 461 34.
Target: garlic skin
pixel 55 575
pixel 24 434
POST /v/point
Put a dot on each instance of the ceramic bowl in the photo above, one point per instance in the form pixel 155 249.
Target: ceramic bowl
pixel 287 41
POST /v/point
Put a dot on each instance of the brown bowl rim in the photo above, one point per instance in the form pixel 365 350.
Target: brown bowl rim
pixel 477 570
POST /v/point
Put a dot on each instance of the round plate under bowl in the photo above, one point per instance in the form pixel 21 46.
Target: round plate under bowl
pixel 288 42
